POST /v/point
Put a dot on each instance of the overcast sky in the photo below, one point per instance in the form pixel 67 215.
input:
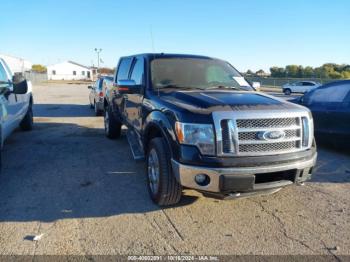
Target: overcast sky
pixel 250 34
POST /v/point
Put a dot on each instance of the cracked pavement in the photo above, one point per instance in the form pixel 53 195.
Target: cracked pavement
pixel 87 195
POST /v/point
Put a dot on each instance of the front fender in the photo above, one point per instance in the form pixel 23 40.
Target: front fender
pixel 159 120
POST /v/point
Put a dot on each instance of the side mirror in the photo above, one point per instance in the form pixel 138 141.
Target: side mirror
pixel 20 88
pixel 18 78
pixel 128 87
pixel 256 86
pixel 90 87
pixel 297 100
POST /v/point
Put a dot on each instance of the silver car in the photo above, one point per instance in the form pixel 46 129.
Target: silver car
pixel 97 93
pixel 299 87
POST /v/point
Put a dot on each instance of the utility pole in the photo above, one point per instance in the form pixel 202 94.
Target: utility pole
pixel 98 51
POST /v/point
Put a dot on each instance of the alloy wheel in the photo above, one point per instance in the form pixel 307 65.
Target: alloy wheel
pixel 153 171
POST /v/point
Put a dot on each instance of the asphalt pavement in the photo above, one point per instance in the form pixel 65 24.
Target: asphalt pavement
pixel 66 189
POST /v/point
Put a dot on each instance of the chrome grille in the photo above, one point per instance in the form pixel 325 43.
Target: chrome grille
pixel 270 122
pixel 226 144
pixel 254 135
pixel 246 133
pixel 274 147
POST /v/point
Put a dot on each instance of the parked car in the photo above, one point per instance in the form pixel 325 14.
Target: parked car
pixel 96 96
pixel 330 107
pixel 299 87
pixel 200 125
pixel 16 101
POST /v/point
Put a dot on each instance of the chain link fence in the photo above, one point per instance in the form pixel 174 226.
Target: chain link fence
pixel 279 82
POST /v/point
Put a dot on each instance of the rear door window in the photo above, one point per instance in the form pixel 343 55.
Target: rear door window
pixel 308 84
pixel 138 71
pixel 331 94
pixel 124 68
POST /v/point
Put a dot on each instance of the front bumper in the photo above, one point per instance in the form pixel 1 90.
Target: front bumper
pixel 245 179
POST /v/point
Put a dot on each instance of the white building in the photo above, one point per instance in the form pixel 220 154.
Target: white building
pixel 16 64
pixel 68 71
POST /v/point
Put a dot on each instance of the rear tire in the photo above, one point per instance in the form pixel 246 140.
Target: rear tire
pixel 97 111
pixel 112 126
pixel 163 186
pixel 287 92
pixel 27 122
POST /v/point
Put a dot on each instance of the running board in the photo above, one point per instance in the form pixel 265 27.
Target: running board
pixel 135 146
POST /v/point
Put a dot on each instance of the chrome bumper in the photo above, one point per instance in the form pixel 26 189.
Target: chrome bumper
pixel 185 174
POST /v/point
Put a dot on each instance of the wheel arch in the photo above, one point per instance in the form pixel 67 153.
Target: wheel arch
pixel 158 125
pixel 31 100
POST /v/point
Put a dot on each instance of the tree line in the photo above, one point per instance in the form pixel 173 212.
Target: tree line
pixel 330 70
pixel 326 71
pixel 42 69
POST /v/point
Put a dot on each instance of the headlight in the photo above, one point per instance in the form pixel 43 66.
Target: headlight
pixel 306 131
pixel 200 135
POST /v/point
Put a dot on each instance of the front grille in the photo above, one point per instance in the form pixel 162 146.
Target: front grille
pixel 273 147
pixel 255 135
pixel 249 137
pixel 227 140
pixel 270 122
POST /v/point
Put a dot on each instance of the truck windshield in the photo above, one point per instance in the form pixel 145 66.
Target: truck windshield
pixel 196 73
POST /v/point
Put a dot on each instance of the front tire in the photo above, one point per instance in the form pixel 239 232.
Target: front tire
pixel 112 126
pixel 287 92
pixel 27 122
pixel 163 186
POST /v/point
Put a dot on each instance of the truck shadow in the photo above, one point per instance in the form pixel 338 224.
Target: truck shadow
pixel 69 170
pixel 62 110
pixel 62 171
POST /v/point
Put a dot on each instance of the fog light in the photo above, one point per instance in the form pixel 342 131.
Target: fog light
pixel 202 179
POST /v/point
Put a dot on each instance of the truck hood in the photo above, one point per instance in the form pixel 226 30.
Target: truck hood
pixel 209 101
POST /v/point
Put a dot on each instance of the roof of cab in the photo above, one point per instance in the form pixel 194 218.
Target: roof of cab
pixel 166 55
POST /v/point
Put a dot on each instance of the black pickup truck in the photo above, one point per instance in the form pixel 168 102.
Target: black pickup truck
pixel 200 125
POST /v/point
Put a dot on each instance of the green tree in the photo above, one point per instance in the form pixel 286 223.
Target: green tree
pixel 293 71
pixel 346 74
pixel 326 71
pixel 39 68
pixel 335 75
pixel 249 72
pixel 277 71
pixel 308 72
pixel 106 70
pixel 260 72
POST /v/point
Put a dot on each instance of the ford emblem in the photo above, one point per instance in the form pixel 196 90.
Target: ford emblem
pixel 272 135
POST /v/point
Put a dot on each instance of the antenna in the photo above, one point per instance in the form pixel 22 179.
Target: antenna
pixel 153 49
